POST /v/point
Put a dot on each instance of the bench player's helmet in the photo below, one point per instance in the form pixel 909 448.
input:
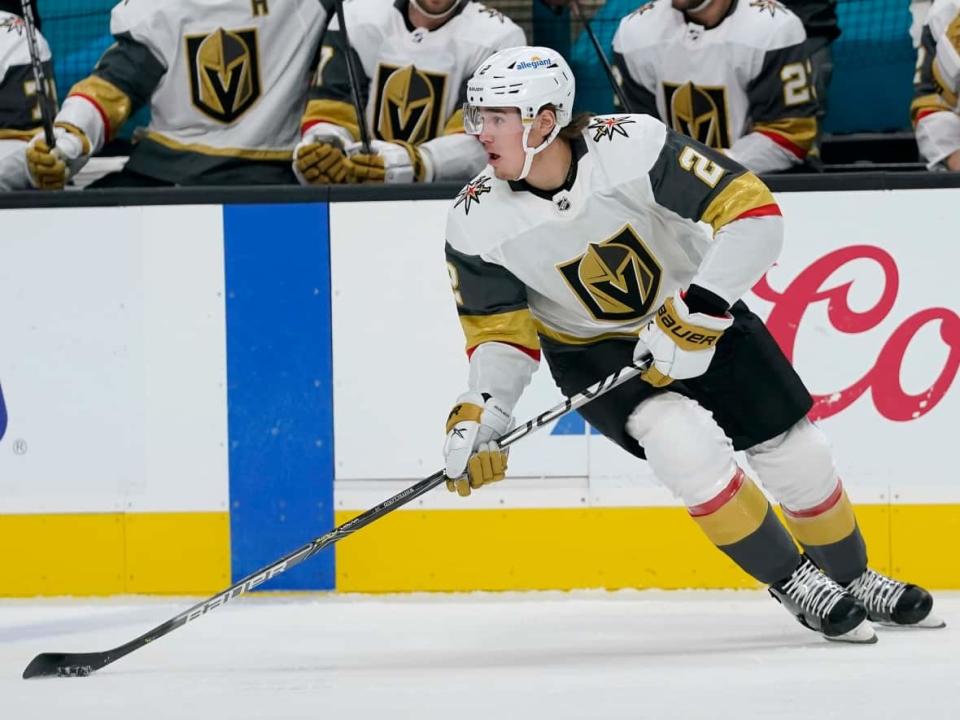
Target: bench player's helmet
pixel 525 78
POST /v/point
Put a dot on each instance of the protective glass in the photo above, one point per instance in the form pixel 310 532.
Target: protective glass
pixel 495 121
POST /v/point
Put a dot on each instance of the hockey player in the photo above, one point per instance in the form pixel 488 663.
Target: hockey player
pixel 19 109
pixel 936 109
pixel 733 74
pixel 414 57
pixel 226 82
pixel 580 240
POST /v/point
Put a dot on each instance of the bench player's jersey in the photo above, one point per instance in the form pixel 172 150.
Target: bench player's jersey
pixel 749 74
pixel 412 79
pixel 19 107
pixel 596 258
pixel 226 80
pixel 936 105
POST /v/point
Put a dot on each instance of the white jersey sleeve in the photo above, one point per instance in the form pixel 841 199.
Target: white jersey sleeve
pixel 936 108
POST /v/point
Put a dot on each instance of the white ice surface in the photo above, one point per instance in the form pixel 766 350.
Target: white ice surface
pixel 583 655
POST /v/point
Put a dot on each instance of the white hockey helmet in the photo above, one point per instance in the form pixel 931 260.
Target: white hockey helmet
pixel 526 78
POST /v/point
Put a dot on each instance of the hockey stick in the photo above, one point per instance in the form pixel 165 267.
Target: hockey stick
pixel 39 74
pixel 82 664
pixel 575 4
pixel 354 81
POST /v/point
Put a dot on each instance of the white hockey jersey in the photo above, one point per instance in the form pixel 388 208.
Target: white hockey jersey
pixel 413 79
pixel 19 108
pixel 597 257
pixel 743 85
pixel 936 104
pixel 225 80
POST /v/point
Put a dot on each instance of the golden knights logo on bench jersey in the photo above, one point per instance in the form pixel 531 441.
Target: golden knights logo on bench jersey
pixel 616 279
pixel 409 103
pixel 698 111
pixel 224 72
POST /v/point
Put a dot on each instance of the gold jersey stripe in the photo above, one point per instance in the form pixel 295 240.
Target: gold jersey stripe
pixel 24 135
pixel 246 154
pixel 568 339
pixel 515 327
pixel 742 194
pixel 113 102
pixel 737 518
pixel 933 101
pixel 332 111
pixel 827 528
pixel 801 131
pixel 454 124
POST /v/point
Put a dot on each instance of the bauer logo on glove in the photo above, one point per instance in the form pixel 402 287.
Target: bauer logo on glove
pixel 682 343
pixel 473 458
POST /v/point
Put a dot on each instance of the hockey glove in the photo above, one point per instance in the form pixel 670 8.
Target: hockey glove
pixel 50 169
pixel 319 157
pixel 681 342
pixel 390 162
pixel 470 452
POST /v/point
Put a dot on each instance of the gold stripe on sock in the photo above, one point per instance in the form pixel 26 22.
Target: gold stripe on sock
pixel 829 526
pixel 735 513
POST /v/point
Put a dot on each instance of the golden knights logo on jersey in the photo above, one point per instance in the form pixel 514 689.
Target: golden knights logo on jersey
pixel 616 279
pixel 224 72
pixel 698 111
pixel 409 103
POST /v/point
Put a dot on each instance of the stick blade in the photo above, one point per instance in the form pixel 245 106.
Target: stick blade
pixel 64 665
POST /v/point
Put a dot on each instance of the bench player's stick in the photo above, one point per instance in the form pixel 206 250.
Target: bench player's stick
pixel 575 4
pixel 39 74
pixel 354 80
pixel 82 664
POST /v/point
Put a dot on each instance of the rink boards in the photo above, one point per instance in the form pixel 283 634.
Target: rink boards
pixel 180 385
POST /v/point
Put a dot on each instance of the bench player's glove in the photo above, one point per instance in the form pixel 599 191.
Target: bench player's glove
pixel 682 343
pixel 389 162
pixel 50 169
pixel 470 452
pixel 319 158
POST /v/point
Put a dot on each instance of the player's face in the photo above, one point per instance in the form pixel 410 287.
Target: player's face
pixel 501 134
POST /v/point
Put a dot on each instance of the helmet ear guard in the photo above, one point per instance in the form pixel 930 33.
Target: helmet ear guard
pixel 525 78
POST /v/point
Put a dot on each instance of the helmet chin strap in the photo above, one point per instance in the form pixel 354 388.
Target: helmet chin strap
pixel 529 152
pixel 445 13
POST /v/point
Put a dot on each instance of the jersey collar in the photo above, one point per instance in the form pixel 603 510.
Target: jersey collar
pixel 728 13
pixel 402 5
pixel 578 148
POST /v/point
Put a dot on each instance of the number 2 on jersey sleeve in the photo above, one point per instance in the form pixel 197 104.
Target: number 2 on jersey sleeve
pixel 706 170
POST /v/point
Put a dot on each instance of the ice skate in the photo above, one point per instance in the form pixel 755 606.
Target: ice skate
pixel 823 606
pixel 891 602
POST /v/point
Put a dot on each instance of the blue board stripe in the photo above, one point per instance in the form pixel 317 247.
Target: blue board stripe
pixel 280 387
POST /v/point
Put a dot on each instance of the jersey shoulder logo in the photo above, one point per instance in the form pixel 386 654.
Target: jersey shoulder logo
pixel 643 9
pixel 490 12
pixel 13 24
pixel 698 111
pixel 616 279
pixel 608 127
pixel 472 192
pixel 771 6
pixel 224 69
pixel 409 103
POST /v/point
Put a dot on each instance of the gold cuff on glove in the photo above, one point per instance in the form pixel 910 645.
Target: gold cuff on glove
pixel 686 335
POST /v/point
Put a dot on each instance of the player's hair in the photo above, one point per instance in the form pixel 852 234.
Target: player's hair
pixel 572 130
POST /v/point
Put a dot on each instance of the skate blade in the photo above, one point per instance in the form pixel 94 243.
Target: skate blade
pixel 862 634
pixel 930 622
